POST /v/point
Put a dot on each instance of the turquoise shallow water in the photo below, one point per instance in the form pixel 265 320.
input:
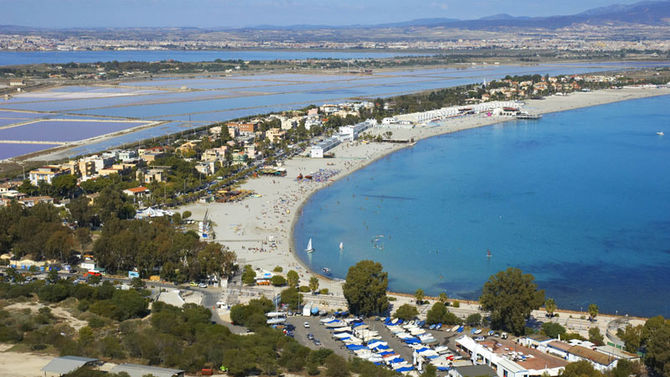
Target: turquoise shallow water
pixel 580 199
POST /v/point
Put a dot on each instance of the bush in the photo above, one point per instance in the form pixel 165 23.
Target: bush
pixel 278 269
pixel 336 366
pixel 324 291
pixel 406 312
pixel 474 319
pixel 456 304
pixel 278 281
pixel 304 289
pixel 249 275
pixel 439 314
pixel 553 330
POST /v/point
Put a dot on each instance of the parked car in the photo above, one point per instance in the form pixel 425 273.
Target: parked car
pixel 310 336
pixel 306 325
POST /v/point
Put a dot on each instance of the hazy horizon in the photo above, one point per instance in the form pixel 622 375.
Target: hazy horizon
pixel 235 14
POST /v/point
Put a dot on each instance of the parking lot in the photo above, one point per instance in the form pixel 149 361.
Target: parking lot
pixel 324 335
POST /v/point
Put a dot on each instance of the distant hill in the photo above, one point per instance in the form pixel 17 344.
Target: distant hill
pixel 654 13
pixel 645 13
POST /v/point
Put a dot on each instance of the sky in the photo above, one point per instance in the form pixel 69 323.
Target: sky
pixel 241 13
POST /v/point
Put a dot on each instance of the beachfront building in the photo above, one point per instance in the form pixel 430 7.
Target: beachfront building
pixel 426 117
pixel 44 174
pixel 350 133
pixel 318 150
pixel 573 352
pixel 510 359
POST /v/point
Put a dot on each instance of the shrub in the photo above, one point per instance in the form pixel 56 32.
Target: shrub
pixel 406 312
pixel 456 304
pixel 304 289
pixel 278 269
pixel 473 319
pixel 553 330
pixel 278 281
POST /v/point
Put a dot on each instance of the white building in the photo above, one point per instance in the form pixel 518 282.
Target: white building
pixel 319 149
pixel 510 359
pixel 127 155
pixel 350 133
pixel 574 352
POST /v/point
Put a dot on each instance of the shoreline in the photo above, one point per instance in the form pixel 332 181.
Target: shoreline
pixel 285 196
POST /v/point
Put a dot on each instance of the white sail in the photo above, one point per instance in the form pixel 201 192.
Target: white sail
pixel 309 248
pixel 341 246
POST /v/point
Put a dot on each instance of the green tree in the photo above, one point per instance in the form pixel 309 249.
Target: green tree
pixel 336 366
pixel 474 319
pixel 656 340
pixel 52 276
pixel 314 284
pixel 137 283
pixel 429 370
pixel 292 278
pixel 64 185
pixel 82 212
pixel 593 311
pixel 438 313
pixel 406 312
pixel 596 337
pixel 419 296
pixel 632 337
pixel 550 307
pixel 365 288
pixel 553 330
pixel 443 298
pixel 278 281
pixel 249 275
pixel 581 368
pixel 291 297
pixel 510 296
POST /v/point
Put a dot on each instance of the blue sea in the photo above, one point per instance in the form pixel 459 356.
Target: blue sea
pixel 579 199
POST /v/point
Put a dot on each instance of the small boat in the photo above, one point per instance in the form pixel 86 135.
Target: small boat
pixel 660 133
pixel 326 270
pixel 488 253
pixel 309 248
pixel 341 246
pixel 300 176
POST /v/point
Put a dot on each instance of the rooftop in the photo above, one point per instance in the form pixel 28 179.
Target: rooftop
pixel 66 364
pixel 528 358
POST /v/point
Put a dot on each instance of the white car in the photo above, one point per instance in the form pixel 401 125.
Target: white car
pixel 306 325
pixel 202 285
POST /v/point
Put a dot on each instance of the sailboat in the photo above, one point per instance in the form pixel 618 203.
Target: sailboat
pixel 309 248
pixel 341 246
pixel 488 253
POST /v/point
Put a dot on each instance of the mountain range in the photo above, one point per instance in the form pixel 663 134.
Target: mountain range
pixel 652 13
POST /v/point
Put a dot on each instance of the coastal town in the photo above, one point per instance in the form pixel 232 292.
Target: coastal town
pixel 241 184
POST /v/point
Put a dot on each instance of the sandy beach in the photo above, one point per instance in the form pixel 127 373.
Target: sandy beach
pixel 259 229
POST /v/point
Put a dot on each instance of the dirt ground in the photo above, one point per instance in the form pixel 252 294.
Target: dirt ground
pixel 14 364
